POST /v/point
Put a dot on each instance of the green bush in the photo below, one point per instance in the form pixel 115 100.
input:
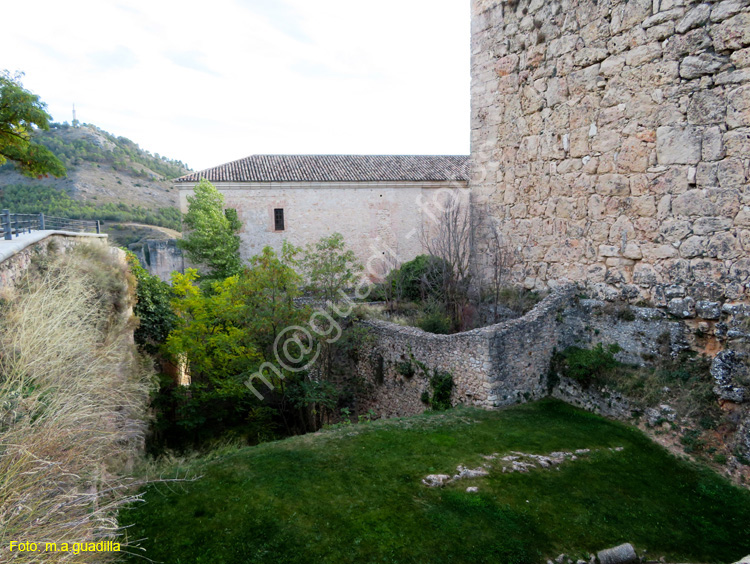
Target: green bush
pixel 442 389
pixel 153 308
pixel 420 279
pixel 436 322
pixel 405 368
pixel 587 365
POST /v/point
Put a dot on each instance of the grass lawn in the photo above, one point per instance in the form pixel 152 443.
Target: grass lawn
pixel 354 494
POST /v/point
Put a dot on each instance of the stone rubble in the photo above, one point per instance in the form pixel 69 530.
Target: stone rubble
pixel 514 462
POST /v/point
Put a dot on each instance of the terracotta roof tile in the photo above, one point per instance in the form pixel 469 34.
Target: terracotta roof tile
pixel 337 168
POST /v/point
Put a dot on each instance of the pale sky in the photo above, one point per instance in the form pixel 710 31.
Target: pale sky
pixel 212 81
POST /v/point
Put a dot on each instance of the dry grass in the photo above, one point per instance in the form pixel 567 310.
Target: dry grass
pixel 73 392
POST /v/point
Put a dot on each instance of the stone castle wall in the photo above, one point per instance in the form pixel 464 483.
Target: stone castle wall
pixel 611 143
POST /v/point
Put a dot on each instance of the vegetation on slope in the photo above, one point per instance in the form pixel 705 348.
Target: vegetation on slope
pixel 355 495
pixel 119 152
pixel 51 201
pixel 108 178
pixel 72 400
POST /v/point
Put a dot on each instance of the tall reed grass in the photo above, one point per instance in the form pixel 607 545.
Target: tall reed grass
pixel 73 395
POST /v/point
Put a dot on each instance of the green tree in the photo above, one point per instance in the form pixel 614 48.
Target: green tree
pixel 212 240
pixel 153 308
pixel 21 112
pixel 267 290
pixel 330 268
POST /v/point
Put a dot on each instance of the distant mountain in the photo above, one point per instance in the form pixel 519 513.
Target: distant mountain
pixel 109 178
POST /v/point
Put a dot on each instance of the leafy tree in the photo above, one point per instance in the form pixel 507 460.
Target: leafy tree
pixel 20 112
pixel 330 267
pixel 153 308
pixel 216 347
pixel 267 291
pixel 212 239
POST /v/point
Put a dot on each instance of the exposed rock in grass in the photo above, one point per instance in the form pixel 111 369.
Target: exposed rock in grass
pixel 622 554
pixel 513 462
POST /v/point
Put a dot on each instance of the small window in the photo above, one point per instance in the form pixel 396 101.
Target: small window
pixel 278 219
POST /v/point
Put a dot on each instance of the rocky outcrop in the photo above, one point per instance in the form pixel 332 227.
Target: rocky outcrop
pixel 160 258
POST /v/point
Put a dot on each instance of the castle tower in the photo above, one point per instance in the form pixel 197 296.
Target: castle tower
pixel 611 144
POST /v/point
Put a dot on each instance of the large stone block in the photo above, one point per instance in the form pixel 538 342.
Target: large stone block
pixel 726 9
pixel 737 142
pixel 733 33
pixel 712 147
pixel 696 66
pixel 738 109
pixel 706 107
pixel 694 18
pixel 692 42
pixel 678 145
pixel 643 54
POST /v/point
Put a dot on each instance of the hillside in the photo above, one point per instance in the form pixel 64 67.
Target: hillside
pixel 356 494
pixel 109 178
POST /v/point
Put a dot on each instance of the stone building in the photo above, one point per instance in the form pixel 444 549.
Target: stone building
pixel 611 143
pixel 380 204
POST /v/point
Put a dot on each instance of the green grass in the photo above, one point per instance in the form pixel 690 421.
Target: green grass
pixel 354 495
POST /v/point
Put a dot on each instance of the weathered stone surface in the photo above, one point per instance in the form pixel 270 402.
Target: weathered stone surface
pixel 726 9
pixel 712 147
pixel 628 131
pixel 727 369
pixel 642 54
pixel 707 107
pixel 707 309
pixel 693 247
pixel 622 554
pixel 678 145
pixel 695 17
pixel 692 42
pixel 738 109
pixel 707 225
pixel 698 65
pixel 589 55
pixel 682 307
pixel 737 142
pixel 733 33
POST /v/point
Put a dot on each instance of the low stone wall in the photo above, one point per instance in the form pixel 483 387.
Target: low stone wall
pixel 16 255
pixel 492 366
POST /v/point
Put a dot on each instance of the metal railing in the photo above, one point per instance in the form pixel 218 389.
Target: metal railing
pixel 18 223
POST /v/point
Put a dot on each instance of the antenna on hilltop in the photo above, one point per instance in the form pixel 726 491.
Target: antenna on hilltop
pixel 75 121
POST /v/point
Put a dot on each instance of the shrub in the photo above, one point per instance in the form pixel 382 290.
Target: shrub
pixel 442 389
pixel 405 368
pixel 420 279
pixel 435 322
pixel 153 308
pixel 587 365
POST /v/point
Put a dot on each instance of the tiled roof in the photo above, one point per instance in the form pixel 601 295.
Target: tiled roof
pixel 337 168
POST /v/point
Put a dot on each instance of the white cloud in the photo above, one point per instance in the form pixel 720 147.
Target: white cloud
pixel 210 82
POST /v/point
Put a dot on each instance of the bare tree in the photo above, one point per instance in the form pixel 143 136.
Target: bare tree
pixel 499 256
pixel 449 236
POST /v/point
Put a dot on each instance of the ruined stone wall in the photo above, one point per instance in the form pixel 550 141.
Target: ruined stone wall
pixel 16 258
pixel 611 144
pixel 491 366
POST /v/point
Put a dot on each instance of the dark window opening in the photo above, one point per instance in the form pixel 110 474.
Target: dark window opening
pixel 278 219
